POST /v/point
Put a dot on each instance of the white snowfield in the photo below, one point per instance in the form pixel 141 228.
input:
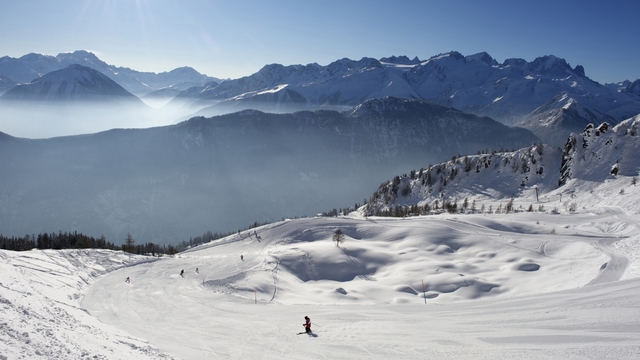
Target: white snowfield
pixel 527 285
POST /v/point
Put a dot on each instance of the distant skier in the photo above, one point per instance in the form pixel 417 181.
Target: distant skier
pixel 182 273
pixel 197 272
pixel 242 257
pixel 307 325
pixel 128 281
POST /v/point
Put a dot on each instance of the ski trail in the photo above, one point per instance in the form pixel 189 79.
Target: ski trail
pixel 618 263
pixel 268 259
pixel 615 268
pixel 275 281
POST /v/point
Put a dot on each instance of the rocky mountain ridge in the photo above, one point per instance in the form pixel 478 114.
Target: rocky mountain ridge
pixel 476 84
pixel 595 155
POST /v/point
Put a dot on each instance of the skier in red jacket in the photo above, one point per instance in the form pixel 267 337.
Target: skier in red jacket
pixel 307 325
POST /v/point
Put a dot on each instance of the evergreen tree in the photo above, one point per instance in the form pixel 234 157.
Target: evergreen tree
pixel 129 244
pixel 338 237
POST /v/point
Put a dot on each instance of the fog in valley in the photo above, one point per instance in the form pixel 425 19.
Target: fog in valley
pixel 165 184
pixel 32 120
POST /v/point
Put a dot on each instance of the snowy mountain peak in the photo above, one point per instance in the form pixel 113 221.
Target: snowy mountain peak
pixel 632 88
pixel 184 71
pixel 482 57
pixel 79 55
pixel 515 62
pixel 552 66
pixel 400 60
pixel 554 120
pixel 75 82
pixel 346 64
pixel 37 58
pixel 448 55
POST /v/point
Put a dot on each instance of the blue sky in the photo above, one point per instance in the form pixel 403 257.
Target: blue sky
pixel 235 38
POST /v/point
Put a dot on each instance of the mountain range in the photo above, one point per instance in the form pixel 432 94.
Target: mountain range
pixel 75 83
pixel 293 141
pixel 510 92
pixel 29 67
pixel 547 95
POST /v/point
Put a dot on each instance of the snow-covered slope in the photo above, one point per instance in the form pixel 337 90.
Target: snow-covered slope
pixel 466 182
pixel 471 179
pixel 600 152
pixel 555 120
pixel 527 285
pixel 41 316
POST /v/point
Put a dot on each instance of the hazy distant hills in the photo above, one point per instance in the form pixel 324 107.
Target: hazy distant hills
pixel 6 83
pixel 632 88
pixel 32 66
pixel 72 100
pixel 75 83
pixel 167 183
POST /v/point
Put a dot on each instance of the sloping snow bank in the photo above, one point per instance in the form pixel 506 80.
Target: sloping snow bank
pixel 40 313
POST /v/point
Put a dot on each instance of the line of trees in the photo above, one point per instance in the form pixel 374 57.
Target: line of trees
pixel 66 240
pixel 451 208
pixel 75 240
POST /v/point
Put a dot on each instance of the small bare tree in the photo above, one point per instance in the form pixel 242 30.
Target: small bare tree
pixel 338 237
